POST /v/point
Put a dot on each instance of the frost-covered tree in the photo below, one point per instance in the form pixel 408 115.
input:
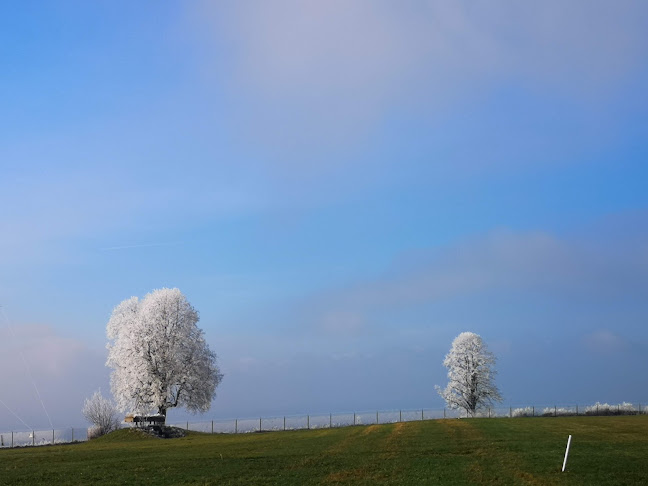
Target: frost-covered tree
pixel 471 375
pixel 101 413
pixel 159 356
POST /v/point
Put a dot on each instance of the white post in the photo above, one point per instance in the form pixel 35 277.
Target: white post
pixel 566 454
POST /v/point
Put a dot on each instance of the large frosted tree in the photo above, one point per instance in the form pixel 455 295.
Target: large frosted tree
pixel 159 356
pixel 471 375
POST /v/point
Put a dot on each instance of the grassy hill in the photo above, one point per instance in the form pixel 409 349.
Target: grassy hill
pixel 605 450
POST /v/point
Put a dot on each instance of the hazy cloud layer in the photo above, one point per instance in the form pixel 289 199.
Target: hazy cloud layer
pixel 336 348
pixel 291 104
pixel 559 304
pixel 600 272
pixel 37 363
pixel 308 76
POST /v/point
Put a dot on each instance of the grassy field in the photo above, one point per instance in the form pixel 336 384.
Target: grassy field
pixel 605 451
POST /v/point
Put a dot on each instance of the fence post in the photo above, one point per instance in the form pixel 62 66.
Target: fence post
pixel 597 411
pixel 354 418
pixel 577 409
pixel 187 426
pixel 400 415
pixel 212 426
pixel 308 422
pixel 555 411
pixel 330 420
pixel 33 437
pixel 12 439
pixel 72 434
pixel 489 413
pixel 533 410
pixel 377 421
pixel 236 426
pixel 259 424
pixel 444 413
pixel 52 436
pixel 421 414
pixel 284 422
pixel 510 412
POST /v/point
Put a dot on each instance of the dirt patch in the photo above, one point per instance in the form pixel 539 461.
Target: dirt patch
pixel 344 444
pixel 398 429
pixel 370 429
pixel 391 447
pixel 458 429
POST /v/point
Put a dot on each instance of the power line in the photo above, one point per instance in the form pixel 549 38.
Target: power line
pixel 27 367
pixel 15 414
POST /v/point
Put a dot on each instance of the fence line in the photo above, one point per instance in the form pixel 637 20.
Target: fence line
pixel 331 420
pixel 39 437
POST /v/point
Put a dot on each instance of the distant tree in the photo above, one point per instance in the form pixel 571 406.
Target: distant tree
pixel 471 375
pixel 101 413
pixel 159 356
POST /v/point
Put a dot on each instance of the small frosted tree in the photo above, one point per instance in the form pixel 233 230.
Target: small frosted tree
pixel 101 413
pixel 159 356
pixel 471 375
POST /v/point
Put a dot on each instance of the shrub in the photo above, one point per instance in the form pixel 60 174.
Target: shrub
pixel 101 413
pixel 557 411
pixel 486 413
pixel 598 408
pixel 522 412
pixel 94 432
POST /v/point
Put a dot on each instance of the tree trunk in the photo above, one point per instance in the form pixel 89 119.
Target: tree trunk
pixel 162 411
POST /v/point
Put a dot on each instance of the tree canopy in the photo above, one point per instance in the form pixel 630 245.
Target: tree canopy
pixel 159 356
pixel 471 375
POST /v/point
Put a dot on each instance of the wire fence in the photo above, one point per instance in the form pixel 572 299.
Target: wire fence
pixel 42 437
pixel 331 420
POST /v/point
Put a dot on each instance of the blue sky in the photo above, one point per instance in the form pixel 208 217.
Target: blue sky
pixel 339 188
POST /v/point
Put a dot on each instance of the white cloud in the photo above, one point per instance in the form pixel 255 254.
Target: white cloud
pixel 604 342
pixel 322 74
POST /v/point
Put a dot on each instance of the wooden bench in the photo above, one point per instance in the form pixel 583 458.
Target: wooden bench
pixel 142 420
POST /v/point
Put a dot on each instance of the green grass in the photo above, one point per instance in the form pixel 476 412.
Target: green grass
pixel 605 450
